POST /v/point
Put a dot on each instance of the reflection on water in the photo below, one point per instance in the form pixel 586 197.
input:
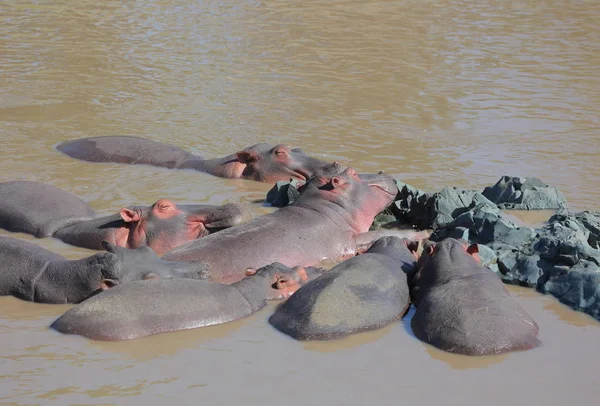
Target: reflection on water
pixel 561 311
pixel 16 310
pixel 167 344
pixel 347 342
pixel 437 93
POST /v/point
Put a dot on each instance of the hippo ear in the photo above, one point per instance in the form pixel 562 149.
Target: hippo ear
pixel 301 272
pixel 250 271
pixel 473 249
pixel 129 215
pixel 245 157
pixel 282 282
pixel 336 182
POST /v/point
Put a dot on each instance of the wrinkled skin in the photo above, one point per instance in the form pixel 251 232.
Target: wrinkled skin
pixel 465 308
pixel 32 273
pixel 260 162
pixel 142 263
pixel 329 220
pixel 365 292
pixel 43 210
pixel 138 309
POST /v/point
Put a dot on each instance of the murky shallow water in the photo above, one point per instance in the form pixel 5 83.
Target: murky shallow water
pixel 436 93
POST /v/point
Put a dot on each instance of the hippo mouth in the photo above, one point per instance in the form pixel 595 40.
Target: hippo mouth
pixel 382 182
pixel 384 189
pixel 300 174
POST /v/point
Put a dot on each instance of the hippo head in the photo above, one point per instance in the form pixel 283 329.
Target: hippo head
pixel 441 261
pixel 361 197
pixel 164 225
pixel 396 246
pixel 279 281
pixel 267 163
pixel 142 263
pixel 447 251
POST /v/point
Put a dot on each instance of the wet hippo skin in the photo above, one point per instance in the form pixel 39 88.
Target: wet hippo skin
pixel 44 210
pixel 329 220
pixel 138 309
pixel 260 162
pixel 365 292
pixel 463 307
pixel 33 273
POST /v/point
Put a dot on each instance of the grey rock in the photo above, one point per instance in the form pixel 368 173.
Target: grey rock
pixel 525 194
pixel 283 193
pixel 577 287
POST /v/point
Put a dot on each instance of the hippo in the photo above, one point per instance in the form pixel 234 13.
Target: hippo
pixel 33 273
pixel 138 309
pixel 463 307
pixel 329 220
pixel 260 162
pixel 44 210
pixel 365 292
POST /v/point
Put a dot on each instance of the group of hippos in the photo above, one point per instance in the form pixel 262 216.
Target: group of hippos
pixel 170 267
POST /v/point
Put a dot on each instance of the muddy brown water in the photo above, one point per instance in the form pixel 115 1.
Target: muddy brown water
pixel 437 93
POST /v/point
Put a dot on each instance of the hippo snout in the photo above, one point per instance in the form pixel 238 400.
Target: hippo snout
pixel 381 181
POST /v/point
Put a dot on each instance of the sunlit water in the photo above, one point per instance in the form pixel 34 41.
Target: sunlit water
pixel 436 93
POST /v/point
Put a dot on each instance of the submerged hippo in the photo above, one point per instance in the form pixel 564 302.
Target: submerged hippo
pixel 329 220
pixel 138 309
pixel 44 210
pixel 260 162
pixel 33 273
pixel 362 293
pixel 463 307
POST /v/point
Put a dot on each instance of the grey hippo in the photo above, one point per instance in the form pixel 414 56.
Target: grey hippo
pixel 260 162
pixel 138 309
pixel 363 293
pixel 463 307
pixel 329 220
pixel 44 210
pixel 33 273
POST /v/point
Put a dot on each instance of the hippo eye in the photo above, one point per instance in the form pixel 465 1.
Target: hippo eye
pixel 163 205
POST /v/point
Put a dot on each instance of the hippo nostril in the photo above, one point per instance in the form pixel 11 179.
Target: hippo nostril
pixel 381 173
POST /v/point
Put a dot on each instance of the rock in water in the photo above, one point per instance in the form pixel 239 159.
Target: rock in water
pixel 524 194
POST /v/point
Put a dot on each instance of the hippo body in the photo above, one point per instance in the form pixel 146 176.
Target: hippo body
pixel 39 209
pixel 463 307
pixel 33 273
pixel 329 220
pixel 138 309
pixel 365 292
pixel 44 210
pixel 260 162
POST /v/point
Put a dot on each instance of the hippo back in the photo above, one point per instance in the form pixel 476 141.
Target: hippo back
pixel 21 262
pixel 125 150
pixel 474 315
pixel 39 209
pixel 141 308
pixel 363 293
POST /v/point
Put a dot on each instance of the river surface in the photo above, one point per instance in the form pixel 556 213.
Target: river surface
pixel 436 93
